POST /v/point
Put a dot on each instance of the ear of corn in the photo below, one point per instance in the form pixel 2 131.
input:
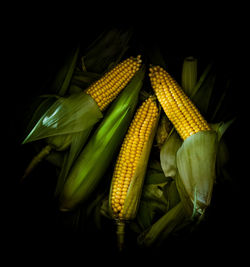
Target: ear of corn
pixel 95 158
pixel 194 181
pixel 80 112
pixel 180 110
pixel 131 165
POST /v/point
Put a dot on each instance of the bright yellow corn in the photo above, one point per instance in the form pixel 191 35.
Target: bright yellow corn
pixel 125 177
pixel 110 85
pixel 180 110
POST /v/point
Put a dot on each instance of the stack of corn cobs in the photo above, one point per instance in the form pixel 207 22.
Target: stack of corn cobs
pixel 102 119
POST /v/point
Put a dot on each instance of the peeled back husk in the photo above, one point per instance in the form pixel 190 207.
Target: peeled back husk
pixel 97 155
pixel 75 113
pixel 196 161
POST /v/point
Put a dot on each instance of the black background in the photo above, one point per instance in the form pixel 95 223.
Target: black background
pixel 36 43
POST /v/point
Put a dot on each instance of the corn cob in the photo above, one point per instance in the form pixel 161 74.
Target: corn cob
pixel 109 86
pixel 180 110
pixel 95 158
pixel 131 165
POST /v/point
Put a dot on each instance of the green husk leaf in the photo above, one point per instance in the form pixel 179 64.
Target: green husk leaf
pixel 155 165
pixel 107 50
pixel 171 194
pixel 201 93
pixel 155 56
pixel 104 209
pixel 64 75
pixel 202 96
pixel 55 158
pixel 157 198
pixel 222 172
pixel 152 204
pixel 197 180
pixel 155 177
pixel 144 216
pixel 221 127
pixel 154 174
pixel 75 89
pixel 189 74
pixel 201 81
pixel 97 155
pixel 41 106
pixel 162 227
pixel 69 74
pixel 68 115
pixel 77 142
pixel 81 80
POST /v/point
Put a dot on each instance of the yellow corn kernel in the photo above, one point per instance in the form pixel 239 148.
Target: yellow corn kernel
pixel 180 110
pixel 105 90
pixel 131 150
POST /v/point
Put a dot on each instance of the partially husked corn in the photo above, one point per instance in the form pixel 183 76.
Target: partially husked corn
pixel 105 90
pixel 131 151
pixel 180 110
